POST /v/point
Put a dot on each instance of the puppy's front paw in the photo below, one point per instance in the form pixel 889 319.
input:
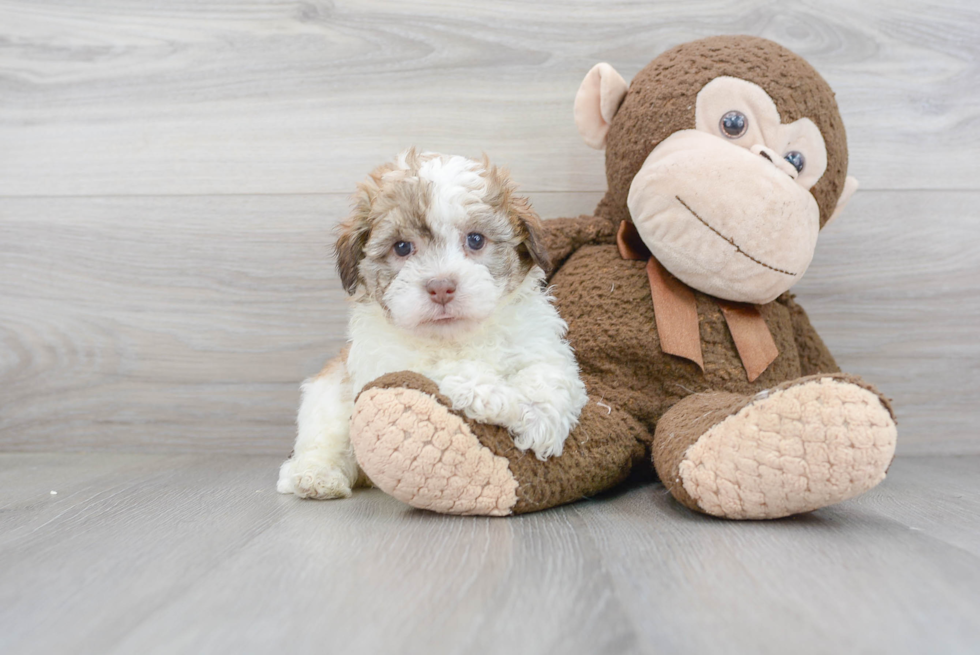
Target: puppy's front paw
pixel 311 477
pixel 481 400
pixel 542 430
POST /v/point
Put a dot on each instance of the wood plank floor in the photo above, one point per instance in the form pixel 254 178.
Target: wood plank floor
pixel 197 553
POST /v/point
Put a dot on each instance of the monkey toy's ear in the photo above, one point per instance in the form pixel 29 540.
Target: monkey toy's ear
pixel 597 101
pixel 850 186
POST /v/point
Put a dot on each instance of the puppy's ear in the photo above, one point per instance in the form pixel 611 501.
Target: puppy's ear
pixel 353 235
pixel 500 194
pixel 529 224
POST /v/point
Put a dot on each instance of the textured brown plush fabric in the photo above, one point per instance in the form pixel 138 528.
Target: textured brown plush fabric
pixel 606 299
pixel 681 427
pixel 408 380
pixel 612 325
pixel 631 383
pixel 800 446
pixel 614 436
pixel 814 355
pixel 661 101
pixel 563 236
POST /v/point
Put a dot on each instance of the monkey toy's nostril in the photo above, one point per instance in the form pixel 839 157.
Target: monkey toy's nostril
pixel 773 158
pixel 441 291
pixel 765 151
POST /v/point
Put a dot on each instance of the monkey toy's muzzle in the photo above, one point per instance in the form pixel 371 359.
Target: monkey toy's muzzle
pixel 723 219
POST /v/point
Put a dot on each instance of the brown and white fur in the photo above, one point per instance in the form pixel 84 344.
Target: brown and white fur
pixel 477 321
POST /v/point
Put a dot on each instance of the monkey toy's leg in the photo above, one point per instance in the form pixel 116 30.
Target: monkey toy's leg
pixel 415 447
pixel 802 445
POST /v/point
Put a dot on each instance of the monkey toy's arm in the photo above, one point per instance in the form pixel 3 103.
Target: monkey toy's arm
pixel 563 236
pixel 814 355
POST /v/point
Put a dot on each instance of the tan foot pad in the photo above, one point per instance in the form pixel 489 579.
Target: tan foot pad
pixel 415 449
pixel 794 450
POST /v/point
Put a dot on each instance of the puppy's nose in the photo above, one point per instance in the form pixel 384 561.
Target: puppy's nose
pixel 441 291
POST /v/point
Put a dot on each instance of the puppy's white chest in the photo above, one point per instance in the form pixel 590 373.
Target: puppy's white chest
pixel 370 360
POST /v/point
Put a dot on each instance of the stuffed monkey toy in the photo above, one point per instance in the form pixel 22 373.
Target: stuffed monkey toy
pixel 724 159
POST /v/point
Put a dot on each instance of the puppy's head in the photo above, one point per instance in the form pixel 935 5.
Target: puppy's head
pixel 438 241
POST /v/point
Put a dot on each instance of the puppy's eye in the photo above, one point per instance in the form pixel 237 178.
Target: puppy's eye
pixel 475 241
pixel 403 248
pixel 733 124
pixel 796 159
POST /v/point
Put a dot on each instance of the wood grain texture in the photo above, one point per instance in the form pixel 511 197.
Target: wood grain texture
pixel 186 323
pixel 164 554
pixel 268 96
pixel 894 290
pixel 169 177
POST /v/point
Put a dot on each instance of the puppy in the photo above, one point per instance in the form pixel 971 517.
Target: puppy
pixel 445 267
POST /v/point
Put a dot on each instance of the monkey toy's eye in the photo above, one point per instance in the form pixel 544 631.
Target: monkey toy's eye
pixel 797 159
pixel 734 124
pixel 403 248
pixel 475 241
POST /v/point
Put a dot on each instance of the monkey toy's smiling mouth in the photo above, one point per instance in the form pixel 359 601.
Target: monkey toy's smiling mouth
pixel 730 240
pixel 723 219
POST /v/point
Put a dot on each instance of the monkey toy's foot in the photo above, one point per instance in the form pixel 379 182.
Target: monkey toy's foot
pixel 415 447
pixel 797 447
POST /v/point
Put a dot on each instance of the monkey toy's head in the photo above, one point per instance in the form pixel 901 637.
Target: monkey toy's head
pixel 728 155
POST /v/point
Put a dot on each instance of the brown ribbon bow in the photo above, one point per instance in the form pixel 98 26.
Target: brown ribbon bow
pixel 676 312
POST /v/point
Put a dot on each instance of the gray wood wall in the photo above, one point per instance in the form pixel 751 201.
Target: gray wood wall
pixel 170 173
